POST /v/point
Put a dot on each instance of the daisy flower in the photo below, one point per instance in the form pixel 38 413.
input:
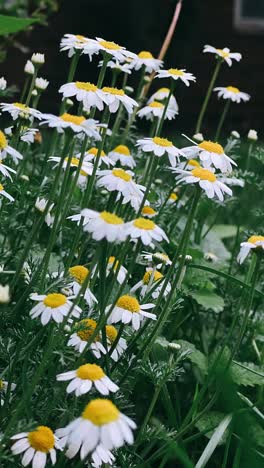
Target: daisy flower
pixel 157 258
pixel 5 150
pixel 155 109
pixel 29 68
pixel 87 93
pixel 75 42
pixel 145 230
pixel 122 182
pixel 79 273
pixel 148 212
pixel 36 446
pixel 115 65
pixel 252 135
pixel 160 146
pixel 111 335
pixel 148 282
pixel 161 95
pixel 38 59
pixel 91 156
pixel 122 154
pixel 40 205
pixel 207 180
pixel 146 59
pixel 173 198
pixel 86 166
pixel 176 74
pixel 3 193
pixel 112 265
pixel 232 93
pixel 3 83
pixel 28 135
pixel 54 306
pixel 5 170
pixel 17 109
pixel 113 49
pixel 85 377
pixel 102 225
pixel 113 97
pixel 101 423
pixel 223 54
pixel 254 242
pixel 77 123
pixel 4 384
pixel 211 154
pixel 128 310
pixel 102 456
pixel 41 84
pixel 79 339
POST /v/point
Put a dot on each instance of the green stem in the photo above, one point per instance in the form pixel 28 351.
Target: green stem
pixel 72 70
pixel 32 84
pixel 222 119
pixel 207 97
pixel 149 412
pixel 160 125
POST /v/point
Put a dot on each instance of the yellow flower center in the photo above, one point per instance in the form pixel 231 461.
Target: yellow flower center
pixel 111 218
pixel 223 53
pixel 145 55
pixel 94 151
pixel 54 300
pixel 89 87
pixel 90 372
pixel 162 142
pixel 211 147
pixel 75 119
pixel 79 272
pixel 121 174
pixel 42 439
pixel 173 196
pixel 129 303
pixel 156 104
pixel 254 239
pixel 161 256
pixel 21 106
pixel 3 141
pixel 122 149
pixel 81 38
pixel 176 72
pixel 1 385
pixel 147 210
pixel 110 45
pixel 193 162
pixel 115 91
pixel 85 329
pixel 149 274
pixel 74 161
pixel 233 89
pixel 1 188
pixel 163 90
pixel 204 174
pixel 111 332
pixel 142 223
pixel 100 412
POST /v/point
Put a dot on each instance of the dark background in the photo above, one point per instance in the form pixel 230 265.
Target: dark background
pixel 142 25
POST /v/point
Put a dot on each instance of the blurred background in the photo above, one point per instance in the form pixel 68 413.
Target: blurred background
pixel 142 25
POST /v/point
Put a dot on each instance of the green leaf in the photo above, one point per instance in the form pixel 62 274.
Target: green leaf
pixel 11 24
pixel 209 300
pixel 212 243
pixel 248 375
pixel 215 440
pixel 207 423
pixel 225 230
pixel 195 356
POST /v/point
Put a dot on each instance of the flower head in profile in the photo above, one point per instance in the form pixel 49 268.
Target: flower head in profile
pixel 38 59
pixel 223 54
pixel 73 43
pixel 160 146
pixel 255 243
pixel 122 155
pixel 83 331
pixel 77 123
pixel 152 281
pixel 252 135
pixel 79 274
pixel 117 66
pixel 128 310
pixel 41 84
pixel 156 109
pixel 5 194
pixel 113 265
pixel 86 377
pixel 161 95
pixel 87 93
pixel 101 424
pixel 148 212
pixel 231 93
pixel 159 259
pixel 120 346
pixel 75 161
pixel 102 225
pixel 40 205
pixel 5 150
pixel 3 83
pixel 36 446
pixel 19 110
pixel 92 154
pixel 176 74
pixel 102 456
pixel 53 306
pixel 113 49
pixel 113 97
pixel 146 59
pixel 145 230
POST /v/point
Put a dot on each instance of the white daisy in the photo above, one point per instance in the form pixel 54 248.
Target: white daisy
pixel 86 166
pixel 120 347
pixel 5 150
pixel 37 58
pixel 157 258
pixel 3 193
pixel 122 154
pixel 91 154
pixel 41 84
pixel 254 242
pixel 207 180
pixel 148 281
pixel 146 59
pixel 115 65
pixel 224 54
pixel 79 339
pixel 102 225
pixel 173 198
pixel 122 182
pixel 3 83
pixel 101 423
pixel 148 212
pixel 4 386
pixel 17 109
pixel 113 97
pixel 112 265
pixel 87 93
pixel 128 310
pixel 160 146
pixel 211 154
pixel 176 74
pixel 113 49
pixel 155 109
pixel 40 205
pixel 232 93
pixel 36 446
pixel 161 95
pixel 54 306
pixel 75 42
pixel 252 135
pixel 28 135
pixel 102 456
pixel 79 273
pixel 29 68
pixel 5 170
pixel 85 377
pixel 145 230
pixel 77 123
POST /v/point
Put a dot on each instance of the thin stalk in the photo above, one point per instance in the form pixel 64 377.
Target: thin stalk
pixel 149 412
pixel 72 70
pixel 222 119
pixel 207 97
pixel 161 122
pixel 32 84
